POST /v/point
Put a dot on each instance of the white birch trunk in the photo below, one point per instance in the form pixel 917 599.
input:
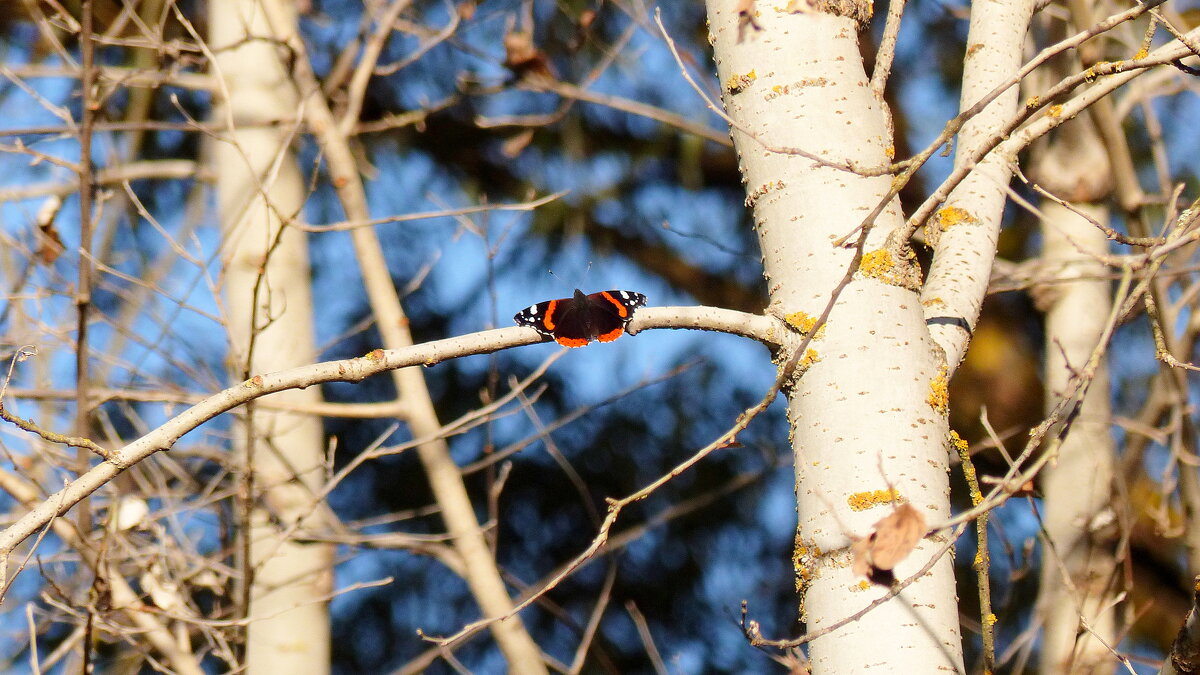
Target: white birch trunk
pixel 269 308
pixel 869 412
pixel 968 228
pixel 1078 587
pixel 1077 487
pixel 445 479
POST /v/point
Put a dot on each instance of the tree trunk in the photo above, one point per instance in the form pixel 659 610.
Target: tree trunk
pixel 868 414
pixel 1078 577
pixel 267 288
pixel 1077 572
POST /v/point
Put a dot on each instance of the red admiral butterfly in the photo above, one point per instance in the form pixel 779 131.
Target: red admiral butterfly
pixel 576 321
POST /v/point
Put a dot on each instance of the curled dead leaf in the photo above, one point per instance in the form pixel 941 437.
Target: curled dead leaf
pixel 893 538
pixel 49 243
pixel 524 58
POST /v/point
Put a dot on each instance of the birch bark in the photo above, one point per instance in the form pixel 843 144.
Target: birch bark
pixel 964 233
pixel 1077 574
pixel 269 306
pixel 868 414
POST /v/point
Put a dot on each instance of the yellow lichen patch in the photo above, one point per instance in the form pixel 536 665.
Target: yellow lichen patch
pixel 1141 54
pixel 804 322
pixel 890 151
pixel 804 563
pixel 974 48
pixel 737 82
pixel 933 301
pixel 1032 102
pixel 968 469
pixel 952 215
pixel 861 501
pixel 877 263
pixel 960 444
pixel 802 364
pixel 804 567
pixel 939 392
pixel 881 265
pixel 862 585
pixel 1100 68
pixel 1055 111
pixel 810 357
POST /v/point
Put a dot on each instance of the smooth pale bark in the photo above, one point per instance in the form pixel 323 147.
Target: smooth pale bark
pixel 445 479
pixel 965 231
pixel 269 309
pixel 864 415
pixel 1077 488
pixel 1076 603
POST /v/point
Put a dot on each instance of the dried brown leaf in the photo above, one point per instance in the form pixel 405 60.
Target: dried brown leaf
pixel 861 551
pixel 50 245
pixel 524 58
pixel 894 537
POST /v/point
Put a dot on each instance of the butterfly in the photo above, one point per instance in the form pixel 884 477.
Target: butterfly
pixel 576 321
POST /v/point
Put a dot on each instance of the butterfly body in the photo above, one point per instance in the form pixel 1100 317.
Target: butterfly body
pixel 576 321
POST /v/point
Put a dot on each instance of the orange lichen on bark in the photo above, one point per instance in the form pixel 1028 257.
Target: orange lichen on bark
pixel 738 83
pixel 804 322
pixel 961 446
pixel 877 264
pixel 950 216
pixel 882 265
pixel 810 357
pixel 1099 69
pixel 939 392
pixel 861 501
pixel 804 562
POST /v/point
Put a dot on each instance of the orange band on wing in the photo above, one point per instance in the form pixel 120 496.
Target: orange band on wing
pixel 548 317
pixel 573 342
pixel 611 335
pixel 622 311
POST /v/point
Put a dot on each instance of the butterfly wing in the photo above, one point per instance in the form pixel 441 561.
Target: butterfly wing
pixel 610 311
pixel 576 321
